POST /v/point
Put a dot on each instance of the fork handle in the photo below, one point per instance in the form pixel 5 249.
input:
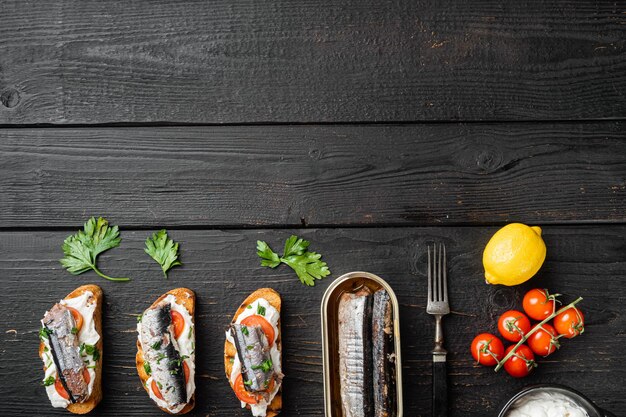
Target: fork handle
pixel 440 385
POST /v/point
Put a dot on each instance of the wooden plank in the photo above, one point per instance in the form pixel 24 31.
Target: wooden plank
pixel 223 268
pixel 222 62
pixel 314 175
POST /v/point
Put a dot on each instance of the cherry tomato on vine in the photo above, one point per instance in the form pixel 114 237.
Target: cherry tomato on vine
pixel 521 363
pixel 487 349
pixel 539 304
pixel 570 323
pixel 544 341
pixel 513 325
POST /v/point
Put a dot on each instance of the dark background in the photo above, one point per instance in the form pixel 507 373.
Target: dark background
pixel 371 128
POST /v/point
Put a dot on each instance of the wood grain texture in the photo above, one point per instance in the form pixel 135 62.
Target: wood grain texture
pixel 222 268
pixel 314 175
pixel 101 61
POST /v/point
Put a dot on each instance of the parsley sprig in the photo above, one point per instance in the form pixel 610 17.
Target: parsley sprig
pixel 82 248
pixel 307 265
pixel 163 250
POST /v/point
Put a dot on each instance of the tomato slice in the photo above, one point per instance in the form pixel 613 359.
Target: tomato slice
pixel 78 318
pixel 186 371
pixel 256 320
pixel 58 385
pixel 178 322
pixel 242 394
pixel 86 376
pixel 155 389
pixel 60 389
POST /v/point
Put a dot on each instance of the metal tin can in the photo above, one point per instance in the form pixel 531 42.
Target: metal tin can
pixel 351 282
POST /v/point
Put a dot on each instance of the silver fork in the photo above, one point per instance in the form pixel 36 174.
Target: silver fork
pixel 439 307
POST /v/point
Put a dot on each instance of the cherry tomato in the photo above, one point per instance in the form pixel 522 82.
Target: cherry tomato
pixel 186 371
pixel 513 325
pixel 58 385
pixel 86 376
pixel 487 349
pixel 265 325
pixel 570 323
pixel 155 389
pixel 544 341
pixel 242 394
pixel 521 363
pixel 539 304
pixel 178 322
pixel 78 318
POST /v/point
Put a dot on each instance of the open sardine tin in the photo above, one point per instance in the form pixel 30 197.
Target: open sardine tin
pixel 352 282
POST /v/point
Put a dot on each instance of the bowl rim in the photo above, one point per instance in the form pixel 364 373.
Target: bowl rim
pixel 582 399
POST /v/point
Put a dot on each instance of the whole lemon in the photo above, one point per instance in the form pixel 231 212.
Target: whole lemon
pixel 514 254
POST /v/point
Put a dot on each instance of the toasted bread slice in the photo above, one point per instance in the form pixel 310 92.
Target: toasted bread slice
pixel 230 351
pixel 96 392
pixel 186 298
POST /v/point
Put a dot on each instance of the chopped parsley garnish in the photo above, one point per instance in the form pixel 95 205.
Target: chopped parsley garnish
pixel 45 349
pixel 90 350
pixel 249 347
pixel 44 332
pixel 146 367
pixel 91 367
pixel 190 332
pixel 231 360
pixel 156 345
pixel 160 385
pixel 249 306
pixel 260 310
pixel 265 366
pixel 160 357
pixel 49 381
pixel 245 331
pixel 74 330
pixel 139 317
pixel 247 382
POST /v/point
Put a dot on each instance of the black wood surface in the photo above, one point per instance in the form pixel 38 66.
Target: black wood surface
pixel 434 174
pixel 221 266
pixel 99 61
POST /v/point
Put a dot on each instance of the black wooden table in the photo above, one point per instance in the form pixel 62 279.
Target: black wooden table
pixel 371 128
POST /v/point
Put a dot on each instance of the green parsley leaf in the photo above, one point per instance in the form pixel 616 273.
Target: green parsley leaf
pixel 74 330
pixel 260 310
pixel 44 332
pixel 156 345
pixel 49 381
pixel 90 350
pixel 307 265
pixel 268 257
pixel 160 357
pixel 82 248
pixel 146 367
pixel 139 317
pixel 244 330
pixel 295 246
pixel 265 366
pixel 247 382
pixel 163 250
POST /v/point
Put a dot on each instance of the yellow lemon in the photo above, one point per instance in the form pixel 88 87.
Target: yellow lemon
pixel 514 254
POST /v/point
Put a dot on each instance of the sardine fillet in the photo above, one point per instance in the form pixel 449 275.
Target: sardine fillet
pixel 383 356
pixel 355 353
